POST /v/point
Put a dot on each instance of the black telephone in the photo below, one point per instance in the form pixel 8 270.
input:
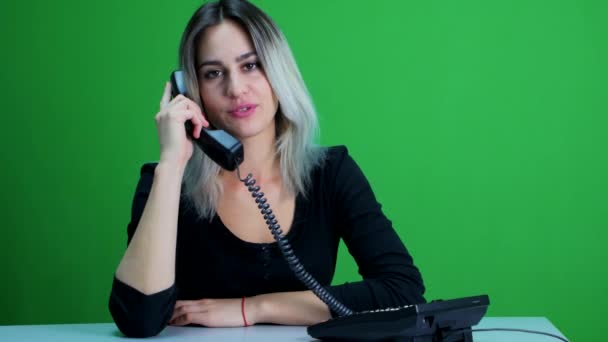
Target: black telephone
pixel 437 321
pixel 220 146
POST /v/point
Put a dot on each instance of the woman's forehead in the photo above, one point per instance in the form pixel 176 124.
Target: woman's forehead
pixel 226 40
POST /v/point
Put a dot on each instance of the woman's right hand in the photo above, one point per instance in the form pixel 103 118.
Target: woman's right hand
pixel 175 146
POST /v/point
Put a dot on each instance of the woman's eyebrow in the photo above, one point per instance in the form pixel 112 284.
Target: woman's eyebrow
pixel 245 56
pixel 237 59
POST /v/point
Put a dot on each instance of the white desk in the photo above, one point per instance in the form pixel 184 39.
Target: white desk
pixel 108 332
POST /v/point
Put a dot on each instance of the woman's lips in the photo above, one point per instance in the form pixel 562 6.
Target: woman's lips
pixel 243 111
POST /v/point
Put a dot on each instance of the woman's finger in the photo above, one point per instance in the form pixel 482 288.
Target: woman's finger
pixel 164 101
pixel 185 306
pixel 188 318
pixel 197 302
pixel 189 114
pixel 198 124
pixel 185 302
pixel 199 113
pixel 184 309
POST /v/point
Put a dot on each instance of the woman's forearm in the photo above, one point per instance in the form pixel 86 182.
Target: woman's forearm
pixel 148 264
pixel 289 308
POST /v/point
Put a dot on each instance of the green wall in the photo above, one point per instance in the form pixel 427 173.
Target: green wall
pixel 482 126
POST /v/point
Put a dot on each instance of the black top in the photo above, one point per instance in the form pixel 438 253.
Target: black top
pixel 211 262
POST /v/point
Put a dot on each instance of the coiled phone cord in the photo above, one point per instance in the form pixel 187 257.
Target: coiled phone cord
pixel 285 247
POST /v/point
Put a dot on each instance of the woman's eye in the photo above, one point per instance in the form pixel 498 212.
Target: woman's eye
pixel 250 66
pixel 212 74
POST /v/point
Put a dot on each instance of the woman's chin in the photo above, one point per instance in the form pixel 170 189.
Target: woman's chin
pixel 248 128
pixel 245 135
pixel 242 133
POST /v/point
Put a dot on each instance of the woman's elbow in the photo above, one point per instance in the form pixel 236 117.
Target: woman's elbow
pixel 132 324
pixel 409 290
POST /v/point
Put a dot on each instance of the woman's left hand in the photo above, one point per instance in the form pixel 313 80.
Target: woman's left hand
pixel 212 313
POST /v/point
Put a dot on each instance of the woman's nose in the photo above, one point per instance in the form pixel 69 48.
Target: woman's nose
pixel 236 86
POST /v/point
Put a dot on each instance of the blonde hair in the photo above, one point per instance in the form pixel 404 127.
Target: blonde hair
pixel 296 118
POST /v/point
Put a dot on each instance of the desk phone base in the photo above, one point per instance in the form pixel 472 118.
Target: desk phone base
pixel 437 321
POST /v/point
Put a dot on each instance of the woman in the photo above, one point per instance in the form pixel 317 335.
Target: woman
pixel 199 251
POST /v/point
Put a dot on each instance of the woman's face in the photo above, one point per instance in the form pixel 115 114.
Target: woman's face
pixel 233 87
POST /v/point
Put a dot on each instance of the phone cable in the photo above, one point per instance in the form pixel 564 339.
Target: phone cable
pixel 510 330
pixel 287 251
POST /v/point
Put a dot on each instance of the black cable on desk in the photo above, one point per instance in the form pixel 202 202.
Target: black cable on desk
pixel 511 329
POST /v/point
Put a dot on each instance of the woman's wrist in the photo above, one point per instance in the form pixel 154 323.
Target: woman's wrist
pixel 169 169
pixel 256 310
pixel 288 308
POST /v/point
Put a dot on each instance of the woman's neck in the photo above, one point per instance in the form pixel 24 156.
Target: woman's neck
pixel 260 159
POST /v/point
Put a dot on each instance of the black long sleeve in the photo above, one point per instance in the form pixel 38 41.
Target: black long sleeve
pixel 211 262
pixel 389 276
pixel 140 315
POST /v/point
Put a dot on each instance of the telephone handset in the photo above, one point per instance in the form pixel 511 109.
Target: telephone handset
pixel 448 320
pixel 220 146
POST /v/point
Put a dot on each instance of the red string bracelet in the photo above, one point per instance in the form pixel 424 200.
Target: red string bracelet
pixel 243 311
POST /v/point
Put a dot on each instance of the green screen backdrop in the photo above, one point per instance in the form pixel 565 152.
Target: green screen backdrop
pixel 482 126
